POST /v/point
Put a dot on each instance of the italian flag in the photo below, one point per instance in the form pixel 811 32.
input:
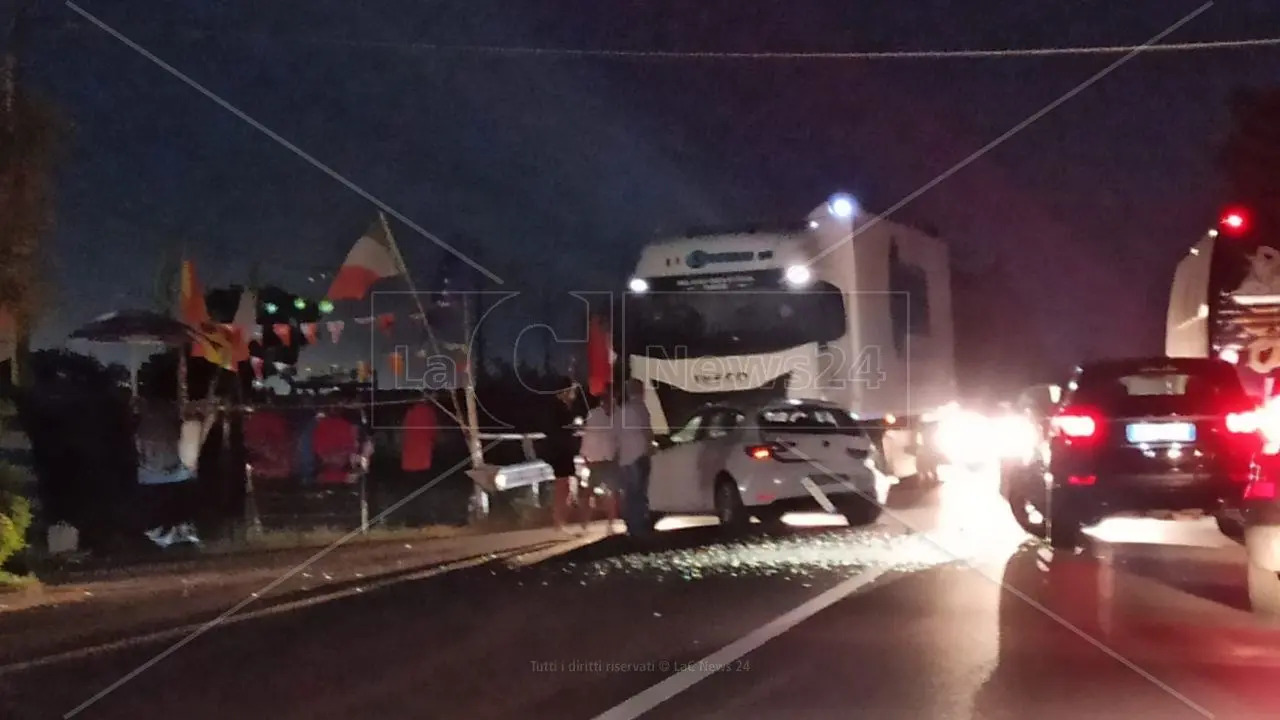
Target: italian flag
pixel 371 259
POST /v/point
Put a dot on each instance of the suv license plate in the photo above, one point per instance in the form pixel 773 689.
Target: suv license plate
pixel 1160 432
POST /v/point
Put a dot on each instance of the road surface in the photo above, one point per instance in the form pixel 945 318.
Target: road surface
pixel 939 611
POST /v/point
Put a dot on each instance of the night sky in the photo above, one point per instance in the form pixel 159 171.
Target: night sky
pixel 554 170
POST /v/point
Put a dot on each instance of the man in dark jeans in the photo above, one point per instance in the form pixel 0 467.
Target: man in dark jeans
pixel 635 444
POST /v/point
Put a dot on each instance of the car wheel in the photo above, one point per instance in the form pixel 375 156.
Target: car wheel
pixel 729 508
pixel 1264 591
pixel 1065 529
pixel 1026 514
pixel 1230 527
pixel 860 511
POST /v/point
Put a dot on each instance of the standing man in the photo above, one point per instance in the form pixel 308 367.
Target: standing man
pixel 600 451
pixel 635 444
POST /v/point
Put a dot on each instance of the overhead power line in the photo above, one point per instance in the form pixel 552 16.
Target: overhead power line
pixel 549 52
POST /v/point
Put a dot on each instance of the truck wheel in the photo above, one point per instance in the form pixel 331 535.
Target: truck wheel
pixel 860 512
pixel 729 508
pixel 1264 591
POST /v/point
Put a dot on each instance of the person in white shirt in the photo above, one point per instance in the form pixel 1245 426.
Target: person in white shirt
pixel 600 451
pixel 635 444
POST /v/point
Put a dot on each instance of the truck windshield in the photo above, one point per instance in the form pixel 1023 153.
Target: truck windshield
pixel 744 315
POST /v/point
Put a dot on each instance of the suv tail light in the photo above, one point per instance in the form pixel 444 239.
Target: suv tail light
pixel 1075 424
pixel 1244 423
pixel 761 452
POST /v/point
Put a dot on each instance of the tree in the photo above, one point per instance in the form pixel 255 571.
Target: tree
pixel 1250 156
pixel 31 134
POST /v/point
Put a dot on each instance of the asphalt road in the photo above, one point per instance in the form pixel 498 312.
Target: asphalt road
pixel 934 613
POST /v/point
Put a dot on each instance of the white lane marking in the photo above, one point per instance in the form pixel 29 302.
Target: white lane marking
pixel 159 635
pixel 724 657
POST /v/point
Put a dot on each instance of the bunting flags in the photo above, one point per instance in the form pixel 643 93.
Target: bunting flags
pixel 386 322
pixel 309 332
pixel 371 259
pixel 284 332
pixel 335 329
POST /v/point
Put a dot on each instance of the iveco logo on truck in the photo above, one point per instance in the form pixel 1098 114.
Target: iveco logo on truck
pixel 699 259
pixel 717 378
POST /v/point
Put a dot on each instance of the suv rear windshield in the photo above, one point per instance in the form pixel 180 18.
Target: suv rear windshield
pixel 1158 390
pixel 809 419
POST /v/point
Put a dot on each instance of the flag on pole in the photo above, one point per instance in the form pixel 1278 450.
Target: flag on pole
pixel 600 357
pixel 216 345
pixel 244 325
pixel 371 259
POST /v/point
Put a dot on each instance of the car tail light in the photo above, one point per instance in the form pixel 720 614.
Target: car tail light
pixel 1076 424
pixel 1244 423
pixel 760 452
pixel 1082 480
pixel 1260 490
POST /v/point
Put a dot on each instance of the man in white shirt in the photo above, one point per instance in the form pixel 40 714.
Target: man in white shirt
pixel 635 444
pixel 600 451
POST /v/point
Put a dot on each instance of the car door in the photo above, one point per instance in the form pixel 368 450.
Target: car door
pixel 675 466
pixel 722 434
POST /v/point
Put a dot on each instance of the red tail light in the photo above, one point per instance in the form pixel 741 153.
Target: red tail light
pixel 1235 221
pixel 1075 424
pixel 760 452
pixel 1243 423
pixel 1261 490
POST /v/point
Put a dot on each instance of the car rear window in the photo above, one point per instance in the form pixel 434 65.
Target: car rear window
pixel 807 419
pixel 1159 390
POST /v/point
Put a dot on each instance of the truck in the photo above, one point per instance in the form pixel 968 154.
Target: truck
pixel 1225 303
pixel 1225 300
pixel 842 306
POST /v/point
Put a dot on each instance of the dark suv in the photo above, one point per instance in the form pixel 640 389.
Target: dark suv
pixel 1140 437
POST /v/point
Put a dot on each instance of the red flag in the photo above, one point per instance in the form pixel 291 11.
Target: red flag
pixel 309 332
pixel 371 259
pixel 599 357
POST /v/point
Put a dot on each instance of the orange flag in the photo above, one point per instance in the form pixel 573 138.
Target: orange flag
pixel 218 347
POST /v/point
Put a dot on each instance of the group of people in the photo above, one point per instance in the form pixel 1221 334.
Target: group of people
pixel 617 441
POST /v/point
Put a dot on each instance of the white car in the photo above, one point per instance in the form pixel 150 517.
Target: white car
pixel 792 456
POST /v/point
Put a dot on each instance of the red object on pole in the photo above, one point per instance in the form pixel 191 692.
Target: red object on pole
pixel 599 357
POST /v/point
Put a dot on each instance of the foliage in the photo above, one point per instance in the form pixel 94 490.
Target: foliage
pixel 1250 156
pixel 15 510
pixel 30 141
pixel 61 366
